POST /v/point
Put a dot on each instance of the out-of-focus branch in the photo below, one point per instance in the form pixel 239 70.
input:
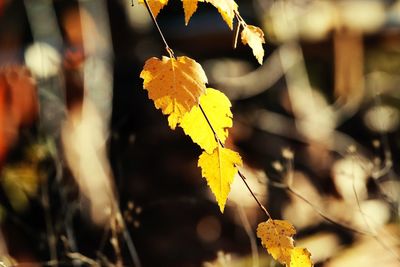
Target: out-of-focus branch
pixel 51 93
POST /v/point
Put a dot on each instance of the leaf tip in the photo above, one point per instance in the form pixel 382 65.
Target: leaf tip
pixel 221 206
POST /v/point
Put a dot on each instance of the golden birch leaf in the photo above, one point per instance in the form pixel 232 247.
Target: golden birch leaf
pixel 190 6
pixel 276 237
pixel 217 108
pixel 300 257
pixel 155 5
pixel 219 169
pixel 226 8
pixel 174 85
pixel 254 37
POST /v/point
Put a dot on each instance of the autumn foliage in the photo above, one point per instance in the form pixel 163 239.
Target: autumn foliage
pixel 18 104
pixel 177 86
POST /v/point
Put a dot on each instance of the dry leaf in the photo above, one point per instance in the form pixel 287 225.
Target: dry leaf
pixel 174 85
pixel 155 5
pixel 226 8
pixel 217 108
pixel 254 37
pixel 300 257
pixel 219 169
pixel 277 237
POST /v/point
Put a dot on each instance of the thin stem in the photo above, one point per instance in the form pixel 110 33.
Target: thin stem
pixel 240 19
pixel 52 147
pixel 254 196
pixel 51 237
pixel 239 173
pixel 318 210
pixel 115 241
pixel 169 50
pixel 131 246
pixel 171 53
pixel 250 234
pixel 76 256
pixel 212 128
pixel 236 36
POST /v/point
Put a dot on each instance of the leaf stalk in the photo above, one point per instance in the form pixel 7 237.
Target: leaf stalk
pixel 169 50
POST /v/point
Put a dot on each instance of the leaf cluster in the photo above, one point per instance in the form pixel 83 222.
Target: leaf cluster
pixel 177 86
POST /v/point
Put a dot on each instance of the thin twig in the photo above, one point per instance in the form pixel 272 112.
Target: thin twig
pixel 240 19
pixel 250 234
pixel 364 216
pixel 82 258
pixel 209 124
pixel 239 172
pixel 104 261
pixel 254 196
pixel 317 210
pixel 63 198
pixel 169 50
pixel 51 237
pixel 104 238
pixel 125 232
pixel 236 36
pixel 114 226
pixel 320 213
pixel 131 246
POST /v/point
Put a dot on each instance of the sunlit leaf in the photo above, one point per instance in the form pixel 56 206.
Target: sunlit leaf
pixel 254 37
pixel 277 237
pixel 300 257
pixel 219 169
pixel 217 108
pixel 226 8
pixel 190 6
pixel 174 85
pixel 155 5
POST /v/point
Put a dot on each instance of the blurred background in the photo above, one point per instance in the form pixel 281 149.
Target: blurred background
pixel 92 175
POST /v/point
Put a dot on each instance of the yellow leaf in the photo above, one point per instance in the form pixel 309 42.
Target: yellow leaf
pixel 155 5
pixel 254 37
pixel 300 257
pixel 276 237
pixel 217 108
pixel 174 85
pixel 219 169
pixel 226 8
pixel 189 6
